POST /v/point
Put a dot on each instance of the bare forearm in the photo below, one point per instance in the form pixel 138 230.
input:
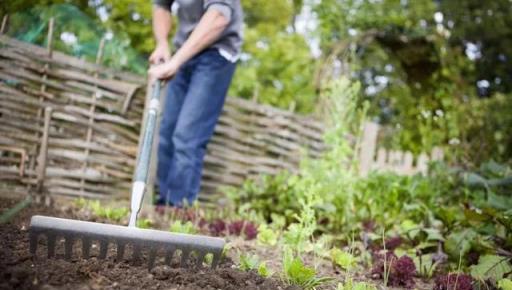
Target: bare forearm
pixel 209 29
pixel 161 24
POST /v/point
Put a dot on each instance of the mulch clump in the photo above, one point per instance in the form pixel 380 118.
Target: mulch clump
pixel 19 270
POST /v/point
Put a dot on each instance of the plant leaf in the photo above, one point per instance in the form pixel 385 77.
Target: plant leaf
pixel 491 267
pixel 505 284
pixel 459 243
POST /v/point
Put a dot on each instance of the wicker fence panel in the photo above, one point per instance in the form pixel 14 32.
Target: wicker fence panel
pixel 93 126
pixel 88 144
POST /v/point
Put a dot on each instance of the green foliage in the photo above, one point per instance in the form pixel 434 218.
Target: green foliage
pixel 263 270
pixel 267 236
pixel 132 17
pixel 491 267
pixel 270 194
pixel 208 258
pixel 410 57
pixel 80 202
pixel 426 265
pixel 83 32
pixel 295 272
pixel 251 262
pixel 282 83
pixel 248 263
pixel 144 223
pixel 343 259
pixel 459 243
pixel 179 226
pixel 505 284
pixel 350 285
pixel 473 220
pixel 297 236
pixel 484 23
pixel 116 214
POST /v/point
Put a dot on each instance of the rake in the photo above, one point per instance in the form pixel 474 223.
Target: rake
pixel 152 241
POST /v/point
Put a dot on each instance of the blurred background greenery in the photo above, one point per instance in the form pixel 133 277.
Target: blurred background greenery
pixel 436 72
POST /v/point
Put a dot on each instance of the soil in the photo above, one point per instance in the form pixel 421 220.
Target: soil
pixel 20 270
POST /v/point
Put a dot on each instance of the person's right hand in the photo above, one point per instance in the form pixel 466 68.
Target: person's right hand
pixel 161 54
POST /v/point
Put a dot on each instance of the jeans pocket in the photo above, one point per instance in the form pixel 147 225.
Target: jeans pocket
pixel 213 58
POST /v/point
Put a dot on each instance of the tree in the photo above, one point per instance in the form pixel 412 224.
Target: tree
pixel 415 70
pixel 483 28
pixel 276 66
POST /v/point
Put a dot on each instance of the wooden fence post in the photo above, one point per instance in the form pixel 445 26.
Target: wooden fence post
pixel 41 112
pixel 407 163
pixel 41 195
pixel 437 154
pixel 3 28
pixel 368 145
pixel 92 110
pixel 422 164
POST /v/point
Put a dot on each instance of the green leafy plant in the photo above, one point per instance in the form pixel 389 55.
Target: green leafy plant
pixel 491 267
pixel 263 270
pixel 249 262
pixel 80 202
pixel 505 284
pixel 267 236
pixel 351 285
pixel 295 272
pixel 208 258
pixel 343 259
pixel 144 223
pixel 426 265
pixel 183 227
pixel 114 214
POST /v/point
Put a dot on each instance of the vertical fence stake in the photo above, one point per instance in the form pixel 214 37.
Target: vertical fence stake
pixel 368 145
pixel 92 110
pixel 42 160
pixel 40 112
pixel 3 28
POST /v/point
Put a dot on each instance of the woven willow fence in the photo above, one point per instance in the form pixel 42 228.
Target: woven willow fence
pixel 71 127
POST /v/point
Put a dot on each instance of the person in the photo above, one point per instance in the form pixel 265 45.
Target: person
pixel 208 42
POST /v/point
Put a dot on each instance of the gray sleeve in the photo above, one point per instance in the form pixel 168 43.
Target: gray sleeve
pixel 166 4
pixel 223 6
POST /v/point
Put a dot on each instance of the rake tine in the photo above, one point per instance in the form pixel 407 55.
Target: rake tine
pixel 152 257
pixel 120 251
pixel 136 253
pixel 51 245
pixel 200 259
pixel 103 249
pixel 68 247
pixel 168 256
pixel 33 242
pixel 86 247
pixel 184 257
pixel 193 248
pixel 215 260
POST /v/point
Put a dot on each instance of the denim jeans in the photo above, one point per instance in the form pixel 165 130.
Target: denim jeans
pixel 194 101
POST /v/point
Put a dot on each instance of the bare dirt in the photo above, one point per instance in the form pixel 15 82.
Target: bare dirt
pixel 20 270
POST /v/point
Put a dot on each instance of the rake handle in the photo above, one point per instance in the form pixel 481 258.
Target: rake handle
pixel 142 168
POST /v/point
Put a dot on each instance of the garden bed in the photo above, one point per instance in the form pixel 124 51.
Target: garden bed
pixel 20 271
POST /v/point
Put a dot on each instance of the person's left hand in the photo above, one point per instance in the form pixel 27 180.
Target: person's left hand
pixel 163 71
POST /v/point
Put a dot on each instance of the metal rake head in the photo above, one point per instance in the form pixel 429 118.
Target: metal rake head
pixel 155 242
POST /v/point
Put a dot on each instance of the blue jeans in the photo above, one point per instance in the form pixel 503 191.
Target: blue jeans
pixel 194 101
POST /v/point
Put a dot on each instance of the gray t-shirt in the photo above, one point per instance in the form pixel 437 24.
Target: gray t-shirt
pixel 191 11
